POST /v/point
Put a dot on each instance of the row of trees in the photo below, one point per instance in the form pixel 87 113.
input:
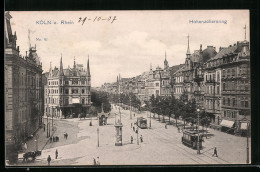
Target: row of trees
pixel 176 108
pixel 129 99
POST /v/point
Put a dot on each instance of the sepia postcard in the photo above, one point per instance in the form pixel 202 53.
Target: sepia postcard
pixel 95 88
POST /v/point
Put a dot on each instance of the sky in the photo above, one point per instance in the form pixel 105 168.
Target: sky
pixel 130 44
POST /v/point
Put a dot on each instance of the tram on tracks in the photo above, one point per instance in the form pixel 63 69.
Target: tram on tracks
pixel 142 123
pixel 190 139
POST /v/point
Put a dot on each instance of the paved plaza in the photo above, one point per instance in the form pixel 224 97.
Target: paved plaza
pixel 160 146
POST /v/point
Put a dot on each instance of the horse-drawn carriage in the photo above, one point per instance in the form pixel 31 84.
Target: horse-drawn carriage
pixel 31 156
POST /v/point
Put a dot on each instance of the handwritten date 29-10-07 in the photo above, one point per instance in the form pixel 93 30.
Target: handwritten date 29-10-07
pixel 97 19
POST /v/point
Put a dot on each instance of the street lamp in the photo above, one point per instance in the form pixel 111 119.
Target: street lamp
pixel 198 141
pixel 98 136
pixel 247 145
pixel 130 106
pixel 137 136
pixel 36 140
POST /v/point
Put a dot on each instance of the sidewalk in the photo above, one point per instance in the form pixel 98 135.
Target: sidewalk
pixel 42 140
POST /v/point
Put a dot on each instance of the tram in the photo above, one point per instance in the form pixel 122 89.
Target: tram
pixel 142 123
pixel 190 139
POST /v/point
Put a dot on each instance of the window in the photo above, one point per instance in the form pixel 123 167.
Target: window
pixel 157 84
pixel 224 73
pixel 233 101
pixel 233 72
pixel 246 87
pixel 83 91
pixel 228 101
pixel 83 101
pixel 242 103
pixel 224 86
pixel 74 91
pixel 66 101
pixel 66 82
pixel 217 89
pixel 157 92
pixel 246 103
pixel 66 91
pixel 75 81
pixel 225 114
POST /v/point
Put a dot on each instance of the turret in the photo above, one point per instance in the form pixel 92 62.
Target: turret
pixel 61 67
pixel 88 68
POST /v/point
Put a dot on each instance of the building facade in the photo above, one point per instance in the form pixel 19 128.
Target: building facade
pixel 23 89
pixel 67 91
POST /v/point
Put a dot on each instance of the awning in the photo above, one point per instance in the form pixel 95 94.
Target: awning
pixel 243 126
pixel 227 123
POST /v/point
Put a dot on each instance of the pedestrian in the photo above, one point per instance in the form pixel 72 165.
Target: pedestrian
pixel 132 139
pixel 98 163
pixel 215 152
pixel 165 126
pixel 49 160
pixel 25 146
pixel 56 154
pixel 133 128
pixel 141 138
pixel 94 161
pixel 131 125
pixel 43 127
pixel 178 129
pixel 50 139
pixel 134 114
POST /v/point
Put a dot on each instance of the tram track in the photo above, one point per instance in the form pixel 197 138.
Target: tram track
pixel 161 132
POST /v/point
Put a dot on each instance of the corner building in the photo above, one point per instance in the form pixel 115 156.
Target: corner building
pixel 68 90
pixel 23 90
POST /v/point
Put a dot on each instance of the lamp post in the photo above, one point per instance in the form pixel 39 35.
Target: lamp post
pixel 52 119
pixel 247 144
pixel 137 136
pixel 36 141
pixel 98 137
pixel 198 141
pixel 130 106
pixel 150 121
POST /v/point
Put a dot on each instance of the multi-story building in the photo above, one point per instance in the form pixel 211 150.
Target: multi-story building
pixel 68 90
pixel 190 78
pixel 23 89
pixel 228 75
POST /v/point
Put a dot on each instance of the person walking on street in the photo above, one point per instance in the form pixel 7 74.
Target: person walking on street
pixel 165 126
pixel 132 139
pixel 98 163
pixel 131 125
pixel 215 152
pixel 133 128
pixel 56 154
pixel 94 161
pixel 49 160
pixel 141 138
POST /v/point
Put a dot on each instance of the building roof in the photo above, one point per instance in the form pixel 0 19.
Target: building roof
pixel 224 51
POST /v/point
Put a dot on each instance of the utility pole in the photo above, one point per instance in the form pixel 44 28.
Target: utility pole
pixel 130 107
pixel 47 126
pixel 137 136
pixel 98 136
pixel 198 141
pixel 247 145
